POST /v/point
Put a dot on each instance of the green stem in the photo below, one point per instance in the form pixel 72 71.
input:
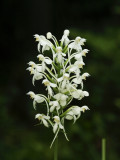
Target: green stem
pixel 56 149
pixel 103 149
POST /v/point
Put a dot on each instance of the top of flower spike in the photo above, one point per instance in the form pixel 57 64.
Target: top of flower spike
pixel 49 35
pixel 66 32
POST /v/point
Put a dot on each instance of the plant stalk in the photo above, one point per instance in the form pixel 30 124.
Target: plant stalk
pixel 56 149
pixel 103 149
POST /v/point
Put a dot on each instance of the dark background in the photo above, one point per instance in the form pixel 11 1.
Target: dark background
pixel 98 22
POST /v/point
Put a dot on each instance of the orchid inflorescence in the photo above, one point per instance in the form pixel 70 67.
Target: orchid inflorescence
pixel 61 75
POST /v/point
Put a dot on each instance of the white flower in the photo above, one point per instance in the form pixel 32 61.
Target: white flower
pixel 57 124
pixel 37 37
pixel 62 98
pixel 83 108
pixel 32 64
pixel 35 66
pixel 69 115
pixel 46 44
pixel 84 51
pixel 84 75
pixel 68 88
pixel 78 56
pixel 74 113
pixel 60 56
pixel 36 71
pixel 38 67
pixel 65 39
pixel 78 42
pixel 31 70
pixel 79 64
pixel 48 84
pixel 36 98
pixel 76 67
pixel 36 76
pixel 79 94
pixel 43 119
pixel 82 41
pixel 77 80
pixel 54 104
pixel 45 60
pixel 64 79
pixel 71 86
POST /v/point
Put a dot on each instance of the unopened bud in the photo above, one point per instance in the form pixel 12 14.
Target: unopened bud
pixel 49 35
pixel 66 32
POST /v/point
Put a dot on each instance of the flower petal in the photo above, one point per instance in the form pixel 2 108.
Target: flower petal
pixel 53 85
pixel 55 127
pixel 45 123
pixel 48 61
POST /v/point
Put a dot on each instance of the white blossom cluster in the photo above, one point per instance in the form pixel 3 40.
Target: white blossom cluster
pixel 60 73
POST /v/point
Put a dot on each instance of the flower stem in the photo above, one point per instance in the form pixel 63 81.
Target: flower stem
pixel 103 149
pixel 56 149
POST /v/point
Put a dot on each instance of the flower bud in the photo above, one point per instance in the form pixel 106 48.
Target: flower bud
pixel 66 32
pixel 49 35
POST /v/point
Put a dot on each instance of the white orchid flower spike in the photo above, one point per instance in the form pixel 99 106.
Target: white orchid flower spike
pixel 60 69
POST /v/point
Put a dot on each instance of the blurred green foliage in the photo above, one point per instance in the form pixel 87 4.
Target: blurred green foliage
pixel 20 139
